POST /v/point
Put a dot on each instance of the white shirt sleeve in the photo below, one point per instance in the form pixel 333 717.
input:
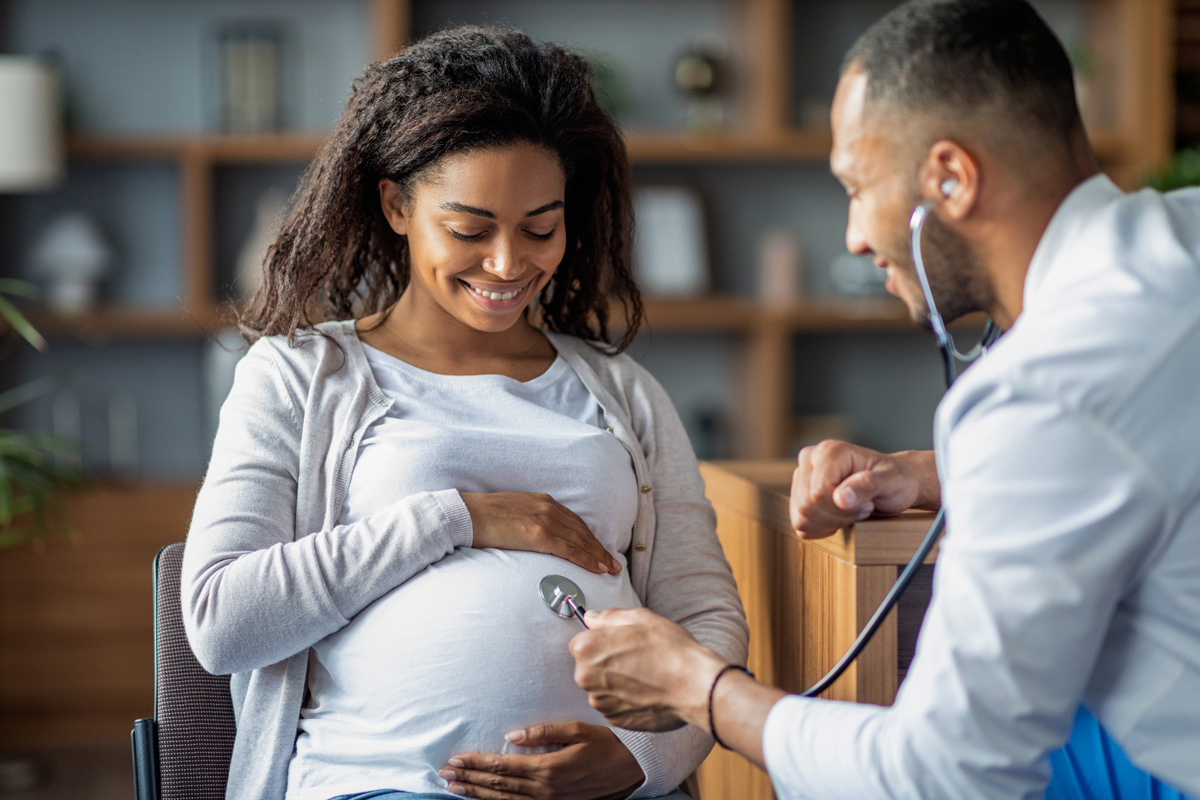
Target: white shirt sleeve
pixel 1050 518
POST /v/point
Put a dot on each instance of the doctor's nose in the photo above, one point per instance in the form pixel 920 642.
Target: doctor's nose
pixel 856 241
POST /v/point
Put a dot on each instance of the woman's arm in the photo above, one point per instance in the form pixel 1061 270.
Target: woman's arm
pixel 255 590
pixel 690 581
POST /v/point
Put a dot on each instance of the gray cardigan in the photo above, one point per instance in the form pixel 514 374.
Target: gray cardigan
pixel 268 572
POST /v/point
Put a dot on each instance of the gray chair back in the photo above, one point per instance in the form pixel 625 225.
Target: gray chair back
pixel 193 729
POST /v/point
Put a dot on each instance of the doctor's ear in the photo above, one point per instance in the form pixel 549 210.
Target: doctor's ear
pixel 950 175
pixel 395 205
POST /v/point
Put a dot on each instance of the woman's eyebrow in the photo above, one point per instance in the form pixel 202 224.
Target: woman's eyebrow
pixel 552 206
pixel 463 208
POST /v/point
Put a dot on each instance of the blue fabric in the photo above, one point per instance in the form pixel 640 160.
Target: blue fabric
pixel 1092 766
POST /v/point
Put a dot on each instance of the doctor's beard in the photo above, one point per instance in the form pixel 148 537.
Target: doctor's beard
pixel 956 275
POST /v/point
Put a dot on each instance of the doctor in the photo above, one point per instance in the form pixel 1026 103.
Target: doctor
pixel 1068 459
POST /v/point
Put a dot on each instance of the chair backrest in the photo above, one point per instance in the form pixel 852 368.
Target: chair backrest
pixel 192 708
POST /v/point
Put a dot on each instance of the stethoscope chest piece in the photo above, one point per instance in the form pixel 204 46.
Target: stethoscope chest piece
pixel 562 596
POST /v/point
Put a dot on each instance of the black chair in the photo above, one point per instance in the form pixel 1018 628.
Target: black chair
pixel 182 753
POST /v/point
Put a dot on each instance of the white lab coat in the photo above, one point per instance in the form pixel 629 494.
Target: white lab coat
pixel 1070 466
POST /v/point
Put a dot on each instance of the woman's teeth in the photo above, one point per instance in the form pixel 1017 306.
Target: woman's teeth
pixel 494 295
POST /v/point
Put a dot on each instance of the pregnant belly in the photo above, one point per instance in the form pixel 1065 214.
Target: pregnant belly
pixel 450 661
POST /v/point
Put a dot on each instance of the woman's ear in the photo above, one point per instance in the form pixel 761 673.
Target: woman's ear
pixel 395 206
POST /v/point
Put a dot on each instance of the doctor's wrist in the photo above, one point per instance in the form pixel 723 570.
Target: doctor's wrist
pixel 691 700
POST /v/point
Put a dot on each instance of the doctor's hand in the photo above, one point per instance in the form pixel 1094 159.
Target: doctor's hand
pixel 537 523
pixel 642 671
pixel 837 484
pixel 592 763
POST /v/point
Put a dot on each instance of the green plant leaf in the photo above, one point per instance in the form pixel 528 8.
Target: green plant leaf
pixel 18 288
pixel 28 392
pixel 35 468
pixel 21 325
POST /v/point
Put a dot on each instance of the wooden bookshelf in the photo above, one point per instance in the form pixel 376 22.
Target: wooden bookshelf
pixel 1133 38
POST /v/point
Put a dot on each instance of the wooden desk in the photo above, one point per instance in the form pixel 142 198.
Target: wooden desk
pixel 807 600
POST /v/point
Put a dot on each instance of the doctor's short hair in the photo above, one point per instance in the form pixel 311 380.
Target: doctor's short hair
pixel 455 91
pixel 992 61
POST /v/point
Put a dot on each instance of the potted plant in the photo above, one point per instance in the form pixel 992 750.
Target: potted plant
pixel 36 469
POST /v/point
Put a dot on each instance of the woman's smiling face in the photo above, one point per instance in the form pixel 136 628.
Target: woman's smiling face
pixel 485 233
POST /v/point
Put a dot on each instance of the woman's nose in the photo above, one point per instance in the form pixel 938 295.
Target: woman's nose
pixel 502 261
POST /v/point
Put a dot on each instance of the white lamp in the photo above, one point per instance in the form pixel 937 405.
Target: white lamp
pixel 31 139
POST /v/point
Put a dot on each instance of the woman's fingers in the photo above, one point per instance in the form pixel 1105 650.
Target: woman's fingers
pixel 490 777
pixel 537 523
pixel 575 531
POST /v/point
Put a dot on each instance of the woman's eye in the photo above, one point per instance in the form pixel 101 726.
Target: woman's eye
pixel 542 237
pixel 465 237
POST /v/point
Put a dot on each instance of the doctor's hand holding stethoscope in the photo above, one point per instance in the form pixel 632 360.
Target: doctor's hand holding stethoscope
pixel 647 673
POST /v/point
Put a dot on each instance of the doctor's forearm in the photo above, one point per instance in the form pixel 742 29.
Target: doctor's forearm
pixel 739 712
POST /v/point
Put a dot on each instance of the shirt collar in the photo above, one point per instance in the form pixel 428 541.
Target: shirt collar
pixel 1076 208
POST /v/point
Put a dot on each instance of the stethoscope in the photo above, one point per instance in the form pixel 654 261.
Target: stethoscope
pixel 566 599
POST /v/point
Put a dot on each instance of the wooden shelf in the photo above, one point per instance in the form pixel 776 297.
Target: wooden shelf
pixel 214 148
pixel 724 146
pixel 116 323
pixel 713 313
pixel 826 315
pixel 644 147
pixel 693 315
pixel 847 315
pixel 666 147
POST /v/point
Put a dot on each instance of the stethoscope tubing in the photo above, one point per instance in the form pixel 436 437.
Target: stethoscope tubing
pixel 950 356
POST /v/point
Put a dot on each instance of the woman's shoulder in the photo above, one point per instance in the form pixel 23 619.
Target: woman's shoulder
pixel 310 345
pixel 326 349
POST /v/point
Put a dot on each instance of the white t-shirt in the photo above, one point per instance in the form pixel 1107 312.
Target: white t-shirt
pixel 464 651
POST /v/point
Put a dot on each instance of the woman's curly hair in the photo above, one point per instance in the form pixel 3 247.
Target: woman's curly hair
pixel 463 89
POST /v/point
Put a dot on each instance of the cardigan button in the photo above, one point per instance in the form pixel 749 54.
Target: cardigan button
pixel 609 429
pixel 639 547
pixel 645 490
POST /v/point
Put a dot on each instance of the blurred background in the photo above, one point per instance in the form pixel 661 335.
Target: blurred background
pixel 185 125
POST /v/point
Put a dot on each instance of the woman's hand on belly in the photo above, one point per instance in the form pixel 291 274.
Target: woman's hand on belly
pixel 593 764
pixel 536 523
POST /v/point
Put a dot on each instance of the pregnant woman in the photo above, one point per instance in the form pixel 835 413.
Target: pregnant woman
pixel 431 418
